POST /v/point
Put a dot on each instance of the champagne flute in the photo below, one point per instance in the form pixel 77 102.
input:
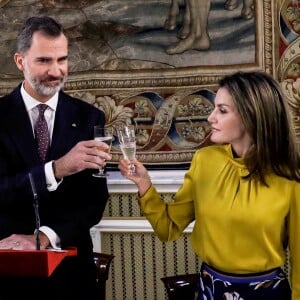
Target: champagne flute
pixel 103 134
pixel 126 135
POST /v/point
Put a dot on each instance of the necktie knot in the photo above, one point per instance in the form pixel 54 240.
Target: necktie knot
pixel 42 108
pixel 42 133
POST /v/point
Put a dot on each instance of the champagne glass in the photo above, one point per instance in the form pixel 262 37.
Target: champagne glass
pixel 126 135
pixel 103 134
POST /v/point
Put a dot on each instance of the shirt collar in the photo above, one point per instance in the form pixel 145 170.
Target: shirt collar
pixel 30 102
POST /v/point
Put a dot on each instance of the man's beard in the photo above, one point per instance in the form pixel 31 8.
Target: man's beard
pixel 44 90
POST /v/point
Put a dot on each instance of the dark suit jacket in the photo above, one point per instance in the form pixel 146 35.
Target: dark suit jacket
pixel 74 207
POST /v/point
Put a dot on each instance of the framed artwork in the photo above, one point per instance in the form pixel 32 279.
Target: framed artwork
pixel 152 63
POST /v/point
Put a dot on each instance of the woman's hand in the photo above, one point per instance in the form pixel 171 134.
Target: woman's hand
pixel 140 177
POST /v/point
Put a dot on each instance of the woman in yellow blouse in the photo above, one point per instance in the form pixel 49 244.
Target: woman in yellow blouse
pixel 243 194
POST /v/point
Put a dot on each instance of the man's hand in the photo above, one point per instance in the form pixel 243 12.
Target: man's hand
pixel 24 242
pixel 84 155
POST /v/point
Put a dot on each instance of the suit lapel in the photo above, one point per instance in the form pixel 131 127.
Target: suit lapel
pixel 65 128
pixel 19 128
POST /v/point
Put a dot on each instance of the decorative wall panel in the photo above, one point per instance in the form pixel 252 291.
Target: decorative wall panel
pixel 289 63
pixel 133 62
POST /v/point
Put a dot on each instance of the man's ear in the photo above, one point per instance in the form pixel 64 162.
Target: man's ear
pixel 19 60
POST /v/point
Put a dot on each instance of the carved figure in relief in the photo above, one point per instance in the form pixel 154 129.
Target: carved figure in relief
pixel 247 10
pixel 193 32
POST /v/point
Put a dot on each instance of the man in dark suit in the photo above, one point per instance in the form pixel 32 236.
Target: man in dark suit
pixel 71 200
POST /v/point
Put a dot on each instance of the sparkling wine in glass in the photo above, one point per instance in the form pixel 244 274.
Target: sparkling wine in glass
pixel 103 134
pixel 126 135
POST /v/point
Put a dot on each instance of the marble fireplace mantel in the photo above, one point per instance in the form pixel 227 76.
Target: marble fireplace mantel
pixel 164 180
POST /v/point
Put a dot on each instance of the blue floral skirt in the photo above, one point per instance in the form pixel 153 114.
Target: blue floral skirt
pixel 216 285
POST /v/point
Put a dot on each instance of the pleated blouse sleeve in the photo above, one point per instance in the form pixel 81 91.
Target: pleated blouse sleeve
pixel 169 220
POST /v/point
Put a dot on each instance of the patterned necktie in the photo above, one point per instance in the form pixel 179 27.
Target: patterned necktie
pixel 42 133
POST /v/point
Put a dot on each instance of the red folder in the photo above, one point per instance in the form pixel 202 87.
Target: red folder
pixel 31 263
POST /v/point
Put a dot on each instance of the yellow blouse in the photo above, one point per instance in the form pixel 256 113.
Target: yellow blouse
pixel 241 226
